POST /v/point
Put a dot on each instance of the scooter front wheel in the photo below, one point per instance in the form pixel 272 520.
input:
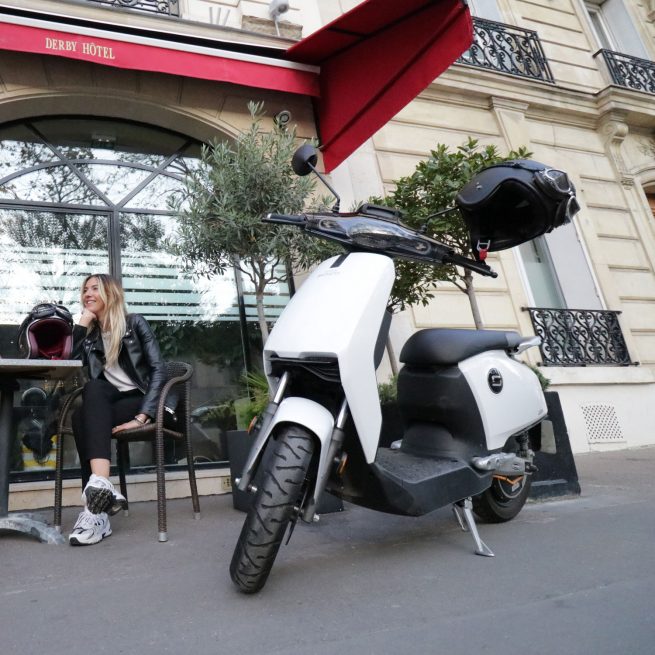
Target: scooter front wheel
pixel 504 499
pixel 272 509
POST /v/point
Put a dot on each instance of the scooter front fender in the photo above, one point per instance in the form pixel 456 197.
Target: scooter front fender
pixel 300 411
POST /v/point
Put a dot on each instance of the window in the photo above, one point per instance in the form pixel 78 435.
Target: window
pixel 80 195
pixel 613 27
pixel 486 9
pixel 650 196
pixel 556 271
pixel 541 276
pixel 600 27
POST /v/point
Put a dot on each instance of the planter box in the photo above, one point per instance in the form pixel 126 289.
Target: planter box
pixel 239 443
pixel 557 474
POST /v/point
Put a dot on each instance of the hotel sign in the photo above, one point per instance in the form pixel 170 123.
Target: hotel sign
pixel 160 56
pixel 89 48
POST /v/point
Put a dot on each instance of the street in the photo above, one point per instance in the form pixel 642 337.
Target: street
pixel 572 576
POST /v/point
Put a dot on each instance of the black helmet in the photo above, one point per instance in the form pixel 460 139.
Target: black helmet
pixel 515 201
pixel 46 332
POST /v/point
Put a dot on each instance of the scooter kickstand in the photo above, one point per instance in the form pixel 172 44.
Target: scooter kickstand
pixel 464 515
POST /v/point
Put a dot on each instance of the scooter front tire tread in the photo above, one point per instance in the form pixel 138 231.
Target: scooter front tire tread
pixel 272 509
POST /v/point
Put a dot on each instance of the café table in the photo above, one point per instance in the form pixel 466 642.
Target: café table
pixel 12 370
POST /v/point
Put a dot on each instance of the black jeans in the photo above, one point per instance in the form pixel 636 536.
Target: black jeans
pixel 103 407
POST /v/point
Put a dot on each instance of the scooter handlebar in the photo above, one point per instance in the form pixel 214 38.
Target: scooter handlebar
pixel 478 266
pixel 285 219
pixel 437 252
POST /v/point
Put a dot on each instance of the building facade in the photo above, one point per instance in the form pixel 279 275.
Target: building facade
pixel 92 149
pixel 574 82
pixel 103 107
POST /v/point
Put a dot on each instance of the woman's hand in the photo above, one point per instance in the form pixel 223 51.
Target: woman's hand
pixel 87 318
pixel 131 425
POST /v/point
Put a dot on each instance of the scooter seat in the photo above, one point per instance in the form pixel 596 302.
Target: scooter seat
pixel 445 347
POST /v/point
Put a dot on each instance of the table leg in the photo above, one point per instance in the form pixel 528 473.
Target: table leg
pixel 6 409
pixel 23 522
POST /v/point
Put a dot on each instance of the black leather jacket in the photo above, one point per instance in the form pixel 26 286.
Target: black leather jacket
pixel 139 357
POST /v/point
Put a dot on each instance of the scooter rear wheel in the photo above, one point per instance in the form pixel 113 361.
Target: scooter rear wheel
pixel 272 509
pixel 504 499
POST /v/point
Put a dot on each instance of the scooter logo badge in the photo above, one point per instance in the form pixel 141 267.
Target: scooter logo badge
pixel 495 380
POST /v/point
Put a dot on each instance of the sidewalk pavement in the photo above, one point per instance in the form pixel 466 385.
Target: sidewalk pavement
pixel 574 576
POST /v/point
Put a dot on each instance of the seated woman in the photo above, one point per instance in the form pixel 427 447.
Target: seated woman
pixel 127 373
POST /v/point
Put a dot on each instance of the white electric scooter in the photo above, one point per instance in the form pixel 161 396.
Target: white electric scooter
pixel 466 401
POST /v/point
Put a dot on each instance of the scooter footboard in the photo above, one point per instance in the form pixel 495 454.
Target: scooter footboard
pixel 414 486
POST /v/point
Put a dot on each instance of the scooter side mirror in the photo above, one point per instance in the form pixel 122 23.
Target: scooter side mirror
pixel 304 160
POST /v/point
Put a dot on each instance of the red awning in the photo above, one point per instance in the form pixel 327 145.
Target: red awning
pixel 374 60
pixel 123 50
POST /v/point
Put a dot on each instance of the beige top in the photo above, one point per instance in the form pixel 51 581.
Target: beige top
pixel 115 374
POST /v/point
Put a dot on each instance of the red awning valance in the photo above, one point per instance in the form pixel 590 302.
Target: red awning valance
pixel 156 55
pixel 362 68
pixel 374 60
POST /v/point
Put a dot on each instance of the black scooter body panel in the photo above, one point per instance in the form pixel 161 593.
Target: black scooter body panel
pixel 413 486
pixel 439 412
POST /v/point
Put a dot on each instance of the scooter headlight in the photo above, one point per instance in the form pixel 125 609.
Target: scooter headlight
pixel 376 235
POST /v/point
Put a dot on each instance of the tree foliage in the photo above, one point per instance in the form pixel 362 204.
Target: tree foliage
pixel 224 199
pixel 430 189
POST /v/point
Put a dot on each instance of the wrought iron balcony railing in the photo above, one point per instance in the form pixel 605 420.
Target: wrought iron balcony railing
pixel 579 337
pixel 507 49
pixel 167 7
pixel 630 72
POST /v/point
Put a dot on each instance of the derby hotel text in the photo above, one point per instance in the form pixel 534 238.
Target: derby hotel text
pixel 83 47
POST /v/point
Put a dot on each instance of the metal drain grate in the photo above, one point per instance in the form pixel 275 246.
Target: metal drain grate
pixel 602 424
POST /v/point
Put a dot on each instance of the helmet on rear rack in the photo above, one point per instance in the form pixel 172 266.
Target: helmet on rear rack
pixel 515 201
pixel 46 333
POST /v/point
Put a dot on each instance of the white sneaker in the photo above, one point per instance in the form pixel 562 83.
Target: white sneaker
pixel 99 496
pixel 89 529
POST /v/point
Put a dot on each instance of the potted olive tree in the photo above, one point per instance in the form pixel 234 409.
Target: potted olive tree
pixel 221 206
pixel 224 200
pixel 426 197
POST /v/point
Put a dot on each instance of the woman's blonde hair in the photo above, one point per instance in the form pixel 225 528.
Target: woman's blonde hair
pixel 112 295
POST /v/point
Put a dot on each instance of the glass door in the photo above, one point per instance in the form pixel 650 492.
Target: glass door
pixel 45 256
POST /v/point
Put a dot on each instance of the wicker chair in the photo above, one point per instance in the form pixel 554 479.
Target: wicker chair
pixel 178 375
